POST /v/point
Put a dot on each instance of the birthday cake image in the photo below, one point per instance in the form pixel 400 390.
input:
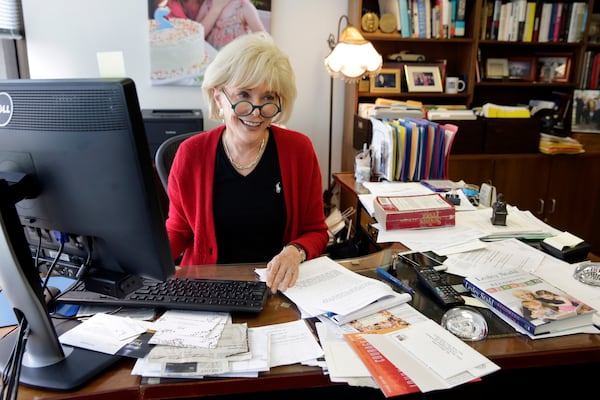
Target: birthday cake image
pixel 177 48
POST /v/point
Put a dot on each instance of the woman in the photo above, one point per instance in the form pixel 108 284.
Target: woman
pixel 248 191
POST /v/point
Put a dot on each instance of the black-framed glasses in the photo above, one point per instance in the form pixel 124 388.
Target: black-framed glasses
pixel 244 108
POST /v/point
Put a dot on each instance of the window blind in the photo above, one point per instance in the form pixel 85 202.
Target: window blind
pixel 11 19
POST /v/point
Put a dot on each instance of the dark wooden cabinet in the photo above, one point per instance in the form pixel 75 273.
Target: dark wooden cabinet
pixel 561 190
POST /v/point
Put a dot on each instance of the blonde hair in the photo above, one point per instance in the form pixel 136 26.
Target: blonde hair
pixel 249 61
pixel 520 293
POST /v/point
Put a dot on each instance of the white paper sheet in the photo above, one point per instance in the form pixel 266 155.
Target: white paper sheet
pixel 291 342
pixel 324 286
pixel 104 333
pixel 431 356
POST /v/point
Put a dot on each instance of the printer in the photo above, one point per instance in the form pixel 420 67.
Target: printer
pixel 163 124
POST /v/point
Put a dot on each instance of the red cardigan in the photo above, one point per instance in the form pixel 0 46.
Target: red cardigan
pixel 190 223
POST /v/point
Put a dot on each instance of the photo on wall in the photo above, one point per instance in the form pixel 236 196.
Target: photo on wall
pixel 185 35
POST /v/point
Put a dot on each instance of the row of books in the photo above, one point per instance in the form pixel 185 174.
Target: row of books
pixel 411 149
pixel 590 70
pixel 533 20
pixel 439 19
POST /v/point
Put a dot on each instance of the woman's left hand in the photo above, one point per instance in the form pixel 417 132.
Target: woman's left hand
pixel 282 270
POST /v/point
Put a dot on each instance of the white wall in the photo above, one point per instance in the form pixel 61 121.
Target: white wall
pixel 63 37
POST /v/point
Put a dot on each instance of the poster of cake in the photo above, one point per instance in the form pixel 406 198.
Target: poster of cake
pixel 185 35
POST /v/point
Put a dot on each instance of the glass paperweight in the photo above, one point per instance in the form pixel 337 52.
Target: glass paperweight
pixel 588 273
pixel 465 323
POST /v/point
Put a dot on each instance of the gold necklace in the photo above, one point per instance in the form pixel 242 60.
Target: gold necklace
pixel 261 149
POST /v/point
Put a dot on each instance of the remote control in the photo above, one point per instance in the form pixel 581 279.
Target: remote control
pixel 443 291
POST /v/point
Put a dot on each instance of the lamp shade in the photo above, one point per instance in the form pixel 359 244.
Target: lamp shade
pixel 353 57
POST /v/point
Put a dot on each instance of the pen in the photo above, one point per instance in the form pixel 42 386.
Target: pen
pixel 391 278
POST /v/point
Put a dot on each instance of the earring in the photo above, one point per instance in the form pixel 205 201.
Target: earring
pixel 220 113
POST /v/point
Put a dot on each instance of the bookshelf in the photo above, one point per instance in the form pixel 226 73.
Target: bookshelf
pixel 527 180
pixel 463 56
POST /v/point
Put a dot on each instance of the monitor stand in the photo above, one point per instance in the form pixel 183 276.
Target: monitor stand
pixel 45 362
pixel 77 368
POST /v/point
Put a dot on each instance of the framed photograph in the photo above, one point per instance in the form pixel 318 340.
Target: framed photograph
pixel 554 68
pixel 423 78
pixel 496 68
pixel 585 117
pixel 594 29
pixel 522 68
pixel 386 81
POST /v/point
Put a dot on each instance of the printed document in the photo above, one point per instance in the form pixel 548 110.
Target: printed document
pixel 431 356
pixel 324 286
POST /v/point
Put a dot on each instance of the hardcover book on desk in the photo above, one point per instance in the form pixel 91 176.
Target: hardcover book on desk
pixel 529 301
pixel 417 211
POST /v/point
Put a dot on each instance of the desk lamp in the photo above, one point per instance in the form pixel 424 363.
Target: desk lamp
pixel 351 58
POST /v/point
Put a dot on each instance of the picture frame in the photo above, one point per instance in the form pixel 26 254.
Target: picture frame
pixel 421 78
pixel 554 68
pixel 386 81
pixel 584 114
pixel 522 68
pixel 496 68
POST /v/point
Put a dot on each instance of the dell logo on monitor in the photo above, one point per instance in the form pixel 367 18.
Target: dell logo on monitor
pixel 6 108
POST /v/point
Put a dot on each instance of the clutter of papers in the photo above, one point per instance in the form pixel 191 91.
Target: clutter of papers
pixel 356 328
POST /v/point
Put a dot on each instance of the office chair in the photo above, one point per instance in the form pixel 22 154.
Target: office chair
pixel 165 155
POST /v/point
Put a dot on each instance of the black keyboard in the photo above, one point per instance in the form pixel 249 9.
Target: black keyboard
pixel 182 294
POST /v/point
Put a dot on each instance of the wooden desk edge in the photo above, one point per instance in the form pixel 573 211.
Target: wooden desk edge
pixel 513 352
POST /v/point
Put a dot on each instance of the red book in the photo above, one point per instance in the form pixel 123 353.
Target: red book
pixel 410 212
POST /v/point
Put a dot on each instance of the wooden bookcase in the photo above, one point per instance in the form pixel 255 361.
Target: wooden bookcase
pixel 461 56
pixel 560 183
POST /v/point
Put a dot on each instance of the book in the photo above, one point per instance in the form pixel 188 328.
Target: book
pixel 441 185
pixel 459 25
pixel 416 211
pixel 529 301
pixel 529 22
pixel 405 18
pixel 544 28
pixel 577 22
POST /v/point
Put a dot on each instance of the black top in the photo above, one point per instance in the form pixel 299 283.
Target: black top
pixel 249 211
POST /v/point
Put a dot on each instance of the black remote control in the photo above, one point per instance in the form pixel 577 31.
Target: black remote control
pixel 437 284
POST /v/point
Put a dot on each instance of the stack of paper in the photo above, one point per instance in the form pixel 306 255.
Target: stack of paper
pixel 434 115
pixel 550 144
pixel 324 287
pixel 497 111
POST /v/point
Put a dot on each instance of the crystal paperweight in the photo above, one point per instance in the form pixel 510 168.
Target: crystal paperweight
pixel 466 323
pixel 588 273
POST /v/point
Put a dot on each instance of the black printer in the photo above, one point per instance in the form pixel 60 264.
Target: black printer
pixel 163 124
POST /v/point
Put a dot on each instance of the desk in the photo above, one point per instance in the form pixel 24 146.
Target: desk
pixel 508 352
pixel 511 352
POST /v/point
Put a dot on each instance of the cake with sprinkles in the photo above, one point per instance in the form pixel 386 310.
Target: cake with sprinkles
pixel 176 51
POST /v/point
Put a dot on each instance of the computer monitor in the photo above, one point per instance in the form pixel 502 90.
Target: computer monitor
pixel 83 143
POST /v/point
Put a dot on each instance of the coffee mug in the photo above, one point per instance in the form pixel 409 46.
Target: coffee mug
pixel 454 85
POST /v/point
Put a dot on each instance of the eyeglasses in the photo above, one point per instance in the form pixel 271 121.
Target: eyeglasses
pixel 244 108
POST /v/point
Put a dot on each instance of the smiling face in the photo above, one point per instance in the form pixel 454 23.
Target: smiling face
pixel 253 113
